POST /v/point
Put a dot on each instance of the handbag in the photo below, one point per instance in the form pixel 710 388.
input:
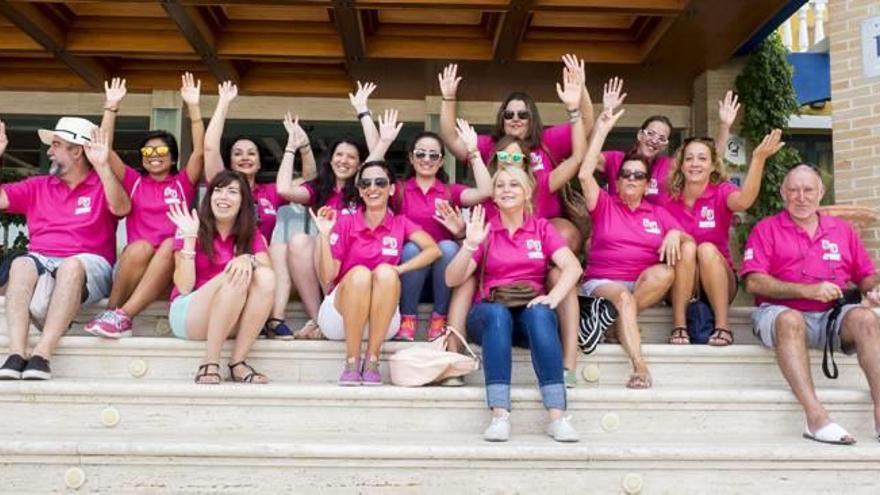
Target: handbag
pixel 700 322
pixel 422 364
pixel 512 295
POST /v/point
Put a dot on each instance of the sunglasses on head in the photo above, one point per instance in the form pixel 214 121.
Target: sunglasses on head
pixel 154 150
pixel 430 155
pixel 632 174
pixel 380 182
pixel 521 114
pixel 514 157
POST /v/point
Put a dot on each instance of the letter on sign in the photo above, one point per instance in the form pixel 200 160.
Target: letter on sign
pixel 871 46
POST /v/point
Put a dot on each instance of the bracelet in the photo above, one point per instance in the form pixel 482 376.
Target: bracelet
pixel 304 147
pixel 190 236
pixel 188 254
pixel 447 99
pixel 572 110
pixel 574 117
pixel 364 114
pixel 288 150
pixel 467 246
pixel 111 109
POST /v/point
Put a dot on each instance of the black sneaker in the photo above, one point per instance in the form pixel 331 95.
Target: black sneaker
pixel 596 315
pixel 12 368
pixel 37 369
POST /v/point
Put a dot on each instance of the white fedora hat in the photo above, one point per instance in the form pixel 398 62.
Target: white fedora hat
pixel 74 130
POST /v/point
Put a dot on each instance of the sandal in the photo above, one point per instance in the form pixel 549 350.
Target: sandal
pixel 639 381
pixel 679 336
pixel 721 337
pixel 309 331
pixel 252 377
pixel 278 332
pixel 205 377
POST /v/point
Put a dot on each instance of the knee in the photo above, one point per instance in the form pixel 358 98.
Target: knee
pixel 789 325
pixel 263 280
pixel 496 316
pixel 138 252
pixel 71 270
pixel 688 251
pixel 661 276
pixel 359 277
pixel 410 251
pixel 385 275
pixel 707 252
pixel 539 317
pixel 448 248
pixel 864 322
pixel 23 266
pixel 299 243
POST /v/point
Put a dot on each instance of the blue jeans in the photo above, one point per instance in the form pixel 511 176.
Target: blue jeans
pixel 497 329
pixel 411 283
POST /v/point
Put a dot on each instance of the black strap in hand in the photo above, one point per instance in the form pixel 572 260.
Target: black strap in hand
pixel 830 334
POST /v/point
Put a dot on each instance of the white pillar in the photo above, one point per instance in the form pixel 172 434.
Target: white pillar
pixel 819 23
pixel 803 32
pixel 786 35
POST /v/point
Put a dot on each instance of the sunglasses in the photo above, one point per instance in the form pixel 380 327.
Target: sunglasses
pixel 514 157
pixel 650 134
pixel 430 155
pixel 155 150
pixel 632 175
pixel 520 114
pixel 380 182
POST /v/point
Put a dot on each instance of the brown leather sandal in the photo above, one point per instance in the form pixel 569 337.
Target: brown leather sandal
pixel 679 336
pixel 206 377
pixel 721 337
pixel 252 377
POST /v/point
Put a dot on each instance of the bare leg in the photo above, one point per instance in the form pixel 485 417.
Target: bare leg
pixel 278 254
pixel 716 278
pixel 155 282
pixel 459 305
pixel 652 285
pixel 383 303
pixel 353 298
pixel 301 259
pixel 214 312
pixel 627 323
pixel 65 302
pixel 861 329
pixel 19 291
pixel 254 314
pixel 569 314
pixel 568 232
pixel 683 286
pixel 132 266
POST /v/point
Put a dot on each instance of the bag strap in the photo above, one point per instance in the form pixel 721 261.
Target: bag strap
pixel 828 354
pixel 451 329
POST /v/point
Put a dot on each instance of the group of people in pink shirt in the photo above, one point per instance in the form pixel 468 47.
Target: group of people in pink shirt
pixel 503 256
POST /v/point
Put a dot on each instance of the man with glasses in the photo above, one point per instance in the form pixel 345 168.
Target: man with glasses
pixel 797 263
pixel 71 219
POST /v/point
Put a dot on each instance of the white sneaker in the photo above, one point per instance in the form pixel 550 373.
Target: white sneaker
pixel 561 430
pixel 499 429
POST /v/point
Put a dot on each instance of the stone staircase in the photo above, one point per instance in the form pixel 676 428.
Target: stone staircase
pixel 125 417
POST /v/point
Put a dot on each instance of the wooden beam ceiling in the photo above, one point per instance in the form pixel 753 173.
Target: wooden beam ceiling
pixel 511 30
pixel 198 33
pixel 348 24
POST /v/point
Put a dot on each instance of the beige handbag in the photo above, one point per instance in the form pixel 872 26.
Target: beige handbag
pixel 422 364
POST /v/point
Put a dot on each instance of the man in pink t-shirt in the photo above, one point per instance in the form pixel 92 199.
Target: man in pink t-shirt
pixel 71 218
pixel 797 263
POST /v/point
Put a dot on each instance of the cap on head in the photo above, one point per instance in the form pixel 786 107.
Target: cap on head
pixel 74 130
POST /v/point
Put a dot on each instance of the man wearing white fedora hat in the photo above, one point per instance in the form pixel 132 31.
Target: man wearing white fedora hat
pixel 71 218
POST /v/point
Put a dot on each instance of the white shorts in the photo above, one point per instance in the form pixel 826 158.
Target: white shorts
pixel 332 326
pixel 99 275
pixel 594 283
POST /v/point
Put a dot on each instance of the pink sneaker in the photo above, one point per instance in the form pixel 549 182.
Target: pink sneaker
pixel 351 374
pixel 437 327
pixel 407 330
pixel 111 324
pixel 371 375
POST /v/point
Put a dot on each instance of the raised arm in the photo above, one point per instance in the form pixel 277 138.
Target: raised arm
pixel 449 81
pixel 473 195
pixel 570 94
pixel 213 154
pixel 762 284
pixel 359 101
pixel 98 153
pixel 190 92
pixel 744 198
pixel 727 110
pixel 612 98
pixel 114 92
pixel 389 128
pixel 462 265
pixel 603 127
pixel 297 141
pixel 575 65
pixel 187 222
pixel 328 266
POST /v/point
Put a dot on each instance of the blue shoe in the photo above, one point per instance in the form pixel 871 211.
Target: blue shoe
pixel 279 332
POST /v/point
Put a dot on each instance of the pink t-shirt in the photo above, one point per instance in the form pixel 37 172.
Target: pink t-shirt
pixel 267 201
pixel 421 207
pixel 710 217
pixel 354 243
pixel 335 201
pixel 556 140
pixel 523 257
pixel 625 242
pixel 62 221
pixel 224 251
pixel 150 199
pixel 782 249
pixel 660 171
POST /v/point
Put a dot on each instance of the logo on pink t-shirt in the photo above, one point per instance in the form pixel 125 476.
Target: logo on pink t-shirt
pixel 831 251
pixel 171 195
pixel 389 246
pixel 83 205
pixel 707 218
pixel 651 226
pixel 534 249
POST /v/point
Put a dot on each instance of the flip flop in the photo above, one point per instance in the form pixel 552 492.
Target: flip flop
pixel 639 381
pixel 309 331
pixel 831 433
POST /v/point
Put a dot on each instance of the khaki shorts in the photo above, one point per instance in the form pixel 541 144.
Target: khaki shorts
pixel 764 321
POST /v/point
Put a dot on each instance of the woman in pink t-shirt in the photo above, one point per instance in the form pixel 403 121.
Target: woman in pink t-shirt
pixel 223 280
pixel 515 248
pixel 246 156
pixel 703 202
pixel 143 272
pixel 633 249
pixel 359 256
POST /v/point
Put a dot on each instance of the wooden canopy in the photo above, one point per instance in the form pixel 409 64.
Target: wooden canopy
pixel 319 47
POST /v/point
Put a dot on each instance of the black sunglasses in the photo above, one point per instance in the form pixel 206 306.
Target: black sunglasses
pixel 522 114
pixel 422 154
pixel 380 182
pixel 633 174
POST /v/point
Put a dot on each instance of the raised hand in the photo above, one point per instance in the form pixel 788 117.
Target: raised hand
pixel 477 229
pixel 670 250
pixel 467 134
pixel 570 90
pixel 228 91
pixel 611 93
pixel 450 217
pixel 4 140
pixel 449 81
pixel 296 135
pixel 190 90
pixel 769 146
pixel 324 220
pixel 97 150
pixel 728 108
pixel 576 67
pixel 361 96
pixel 187 221
pixel 389 128
pixel 114 92
pixel 607 119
